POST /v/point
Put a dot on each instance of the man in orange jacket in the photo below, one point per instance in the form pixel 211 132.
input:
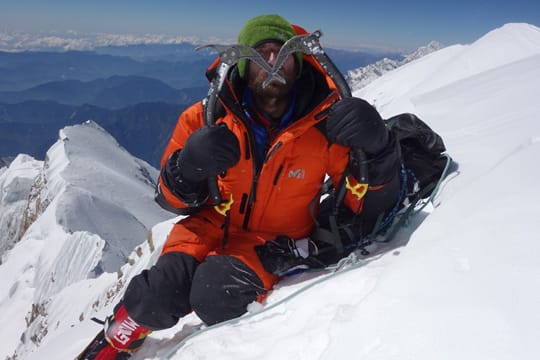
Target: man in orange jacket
pixel 271 148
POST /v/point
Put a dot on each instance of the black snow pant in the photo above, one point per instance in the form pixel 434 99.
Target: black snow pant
pixel 218 289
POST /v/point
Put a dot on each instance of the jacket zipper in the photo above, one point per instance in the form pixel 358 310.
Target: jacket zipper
pixel 257 170
pixel 251 200
pixel 257 166
pixel 273 151
pixel 278 173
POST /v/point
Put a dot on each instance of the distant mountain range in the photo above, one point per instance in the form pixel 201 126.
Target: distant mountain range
pixel 32 126
pixel 182 52
pixel 178 65
pixel 23 70
pixel 135 92
pixel 360 77
pixel 111 93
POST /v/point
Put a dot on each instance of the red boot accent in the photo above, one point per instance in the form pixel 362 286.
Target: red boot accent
pixel 123 333
pixel 100 349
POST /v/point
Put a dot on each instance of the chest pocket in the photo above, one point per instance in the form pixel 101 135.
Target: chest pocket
pixel 301 170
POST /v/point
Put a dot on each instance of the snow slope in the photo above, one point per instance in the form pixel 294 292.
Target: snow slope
pixel 461 282
pixel 88 208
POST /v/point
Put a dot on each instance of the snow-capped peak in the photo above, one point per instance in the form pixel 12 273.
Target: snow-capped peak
pixel 360 77
pixel 87 208
pixel 500 47
pixel 423 51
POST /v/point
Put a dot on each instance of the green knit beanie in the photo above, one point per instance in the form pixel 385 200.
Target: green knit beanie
pixel 264 28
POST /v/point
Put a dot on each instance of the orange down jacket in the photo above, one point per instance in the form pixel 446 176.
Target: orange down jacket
pixel 274 195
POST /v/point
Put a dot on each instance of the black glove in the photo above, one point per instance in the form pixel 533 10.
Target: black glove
pixel 191 193
pixel 354 122
pixel 282 257
pixel 209 151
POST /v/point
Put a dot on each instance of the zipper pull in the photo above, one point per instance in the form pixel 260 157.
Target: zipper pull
pixel 273 151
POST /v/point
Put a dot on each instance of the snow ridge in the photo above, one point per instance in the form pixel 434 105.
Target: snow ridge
pixel 86 208
pixel 361 77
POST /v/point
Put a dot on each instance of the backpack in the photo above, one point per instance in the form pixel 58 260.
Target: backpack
pixel 425 164
pixel 422 151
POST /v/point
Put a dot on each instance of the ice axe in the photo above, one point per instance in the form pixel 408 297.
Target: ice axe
pixel 229 55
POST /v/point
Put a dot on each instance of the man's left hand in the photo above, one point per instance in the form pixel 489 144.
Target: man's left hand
pixel 354 122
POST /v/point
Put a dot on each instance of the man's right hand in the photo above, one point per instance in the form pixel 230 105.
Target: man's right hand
pixel 283 255
pixel 209 151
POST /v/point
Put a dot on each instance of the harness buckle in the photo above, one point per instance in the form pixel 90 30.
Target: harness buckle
pixel 224 207
pixel 359 190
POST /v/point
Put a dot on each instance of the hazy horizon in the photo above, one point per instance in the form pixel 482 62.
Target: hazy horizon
pixel 346 24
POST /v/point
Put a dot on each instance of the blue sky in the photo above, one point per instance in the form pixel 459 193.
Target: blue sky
pixel 402 25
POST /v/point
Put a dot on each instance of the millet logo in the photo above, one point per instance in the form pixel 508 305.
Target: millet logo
pixel 297 174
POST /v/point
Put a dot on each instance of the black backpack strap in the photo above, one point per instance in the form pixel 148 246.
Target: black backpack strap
pixel 329 236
